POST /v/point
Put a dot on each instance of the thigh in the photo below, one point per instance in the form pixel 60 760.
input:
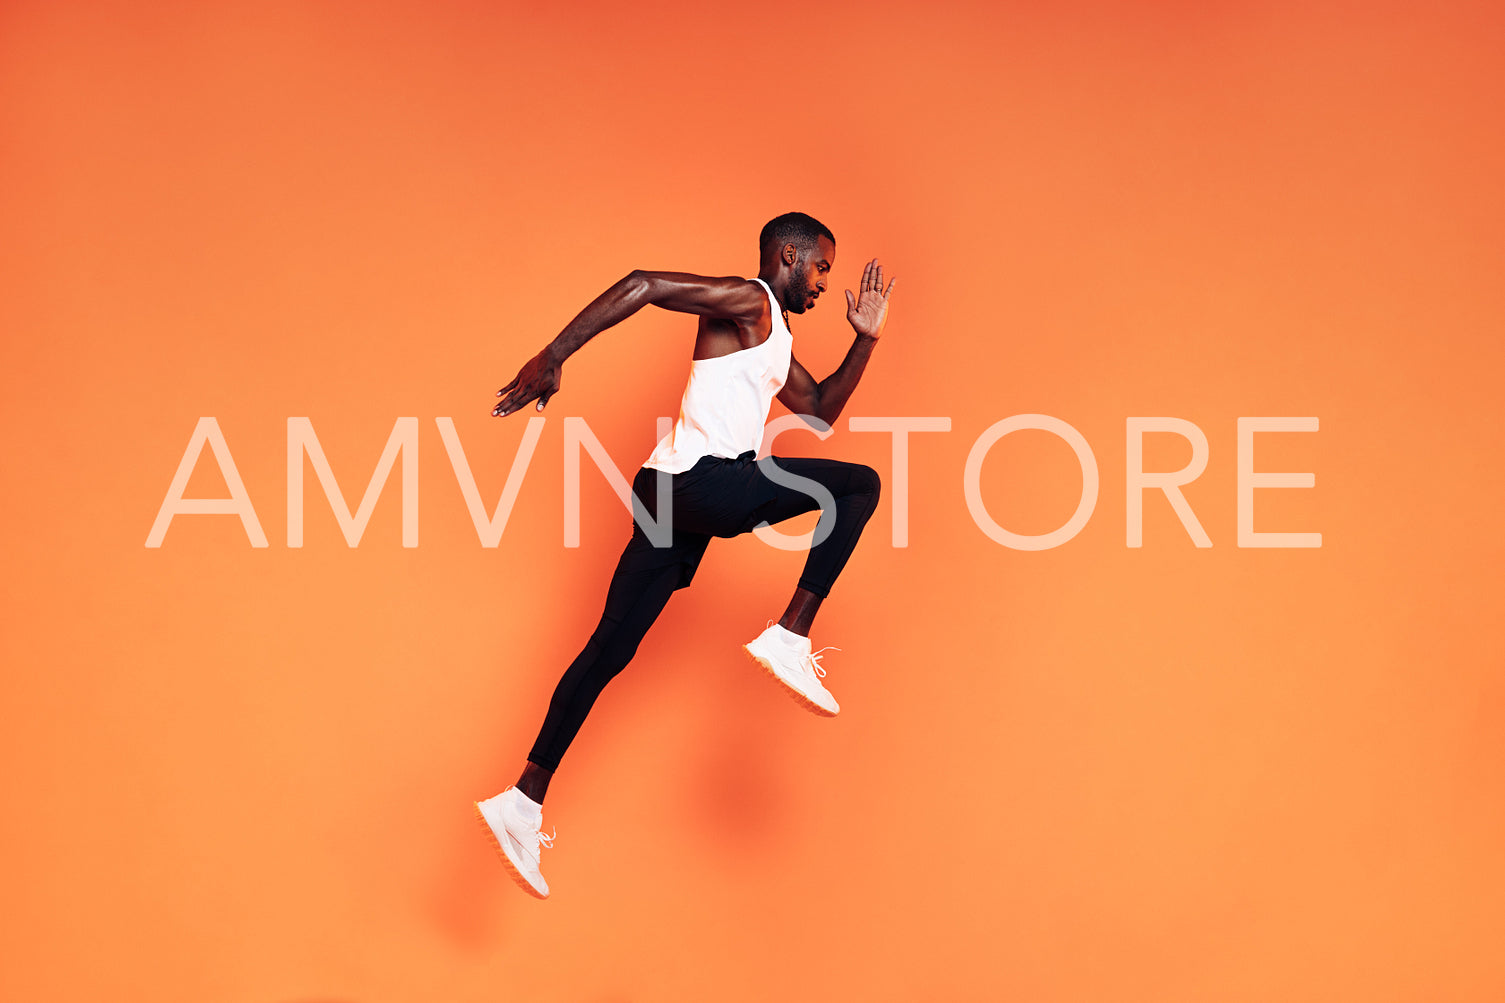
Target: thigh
pixel 716 496
pixel 723 497
pixel 786 501
pixel 642 563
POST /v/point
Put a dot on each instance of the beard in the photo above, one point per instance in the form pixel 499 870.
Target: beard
pixel 797 293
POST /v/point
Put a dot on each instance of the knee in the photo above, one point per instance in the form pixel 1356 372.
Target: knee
pixel 866 480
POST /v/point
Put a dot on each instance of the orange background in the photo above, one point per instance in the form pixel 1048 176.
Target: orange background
pixel 1090 773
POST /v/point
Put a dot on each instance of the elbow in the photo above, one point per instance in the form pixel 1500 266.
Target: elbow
pixel 819 417
pixel 818 422
pixel 638 285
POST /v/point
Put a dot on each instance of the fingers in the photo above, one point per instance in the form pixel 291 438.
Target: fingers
pixel 872 278
pixel 890 287
pixel 506 405
pixel 525 393
pixel 851 303
pixel 503 410
pixel 512 402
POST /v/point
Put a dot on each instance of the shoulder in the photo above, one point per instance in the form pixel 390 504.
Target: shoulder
pixel 729 297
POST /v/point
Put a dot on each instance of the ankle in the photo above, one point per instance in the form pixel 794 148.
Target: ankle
pixel 800 613
pixel 794 627
pixel 534 783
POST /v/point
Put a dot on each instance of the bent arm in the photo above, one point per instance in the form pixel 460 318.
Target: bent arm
pixel 725 298
pixel 867 312
pixel 826 399
pixel 734 299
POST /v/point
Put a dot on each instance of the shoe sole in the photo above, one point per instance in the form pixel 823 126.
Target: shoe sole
pixel 496 844
pixel 799 697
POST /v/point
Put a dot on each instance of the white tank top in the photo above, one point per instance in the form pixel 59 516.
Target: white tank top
pixel 727 399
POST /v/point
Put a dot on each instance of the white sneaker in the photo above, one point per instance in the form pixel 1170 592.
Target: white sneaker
pixel 514 822
pixel 787 657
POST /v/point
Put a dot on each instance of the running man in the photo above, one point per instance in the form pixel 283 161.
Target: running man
pixel 742 359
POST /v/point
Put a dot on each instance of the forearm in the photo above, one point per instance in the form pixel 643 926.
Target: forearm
pixel 833 391
pixel 622 300
pixel 731 298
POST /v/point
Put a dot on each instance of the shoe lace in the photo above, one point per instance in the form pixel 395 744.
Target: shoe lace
pixel 813 659
pixel 547 842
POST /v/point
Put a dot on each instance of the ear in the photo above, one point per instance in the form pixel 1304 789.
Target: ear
pixel 789 255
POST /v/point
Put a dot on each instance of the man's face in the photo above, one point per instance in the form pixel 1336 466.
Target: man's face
pixel 809 278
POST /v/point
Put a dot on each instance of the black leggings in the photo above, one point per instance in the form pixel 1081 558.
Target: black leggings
pixel 716 497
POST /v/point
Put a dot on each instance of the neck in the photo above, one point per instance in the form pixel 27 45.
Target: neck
pixel 777 281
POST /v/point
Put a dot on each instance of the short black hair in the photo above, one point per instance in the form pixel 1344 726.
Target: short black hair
pixel 793 228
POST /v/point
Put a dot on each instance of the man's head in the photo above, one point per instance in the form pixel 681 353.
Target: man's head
pixel 795 252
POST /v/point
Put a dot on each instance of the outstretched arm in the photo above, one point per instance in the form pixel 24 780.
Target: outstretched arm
pixel 725 298
pixel 867 313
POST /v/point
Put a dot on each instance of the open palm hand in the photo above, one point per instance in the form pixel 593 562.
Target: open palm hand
pixel 868 310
